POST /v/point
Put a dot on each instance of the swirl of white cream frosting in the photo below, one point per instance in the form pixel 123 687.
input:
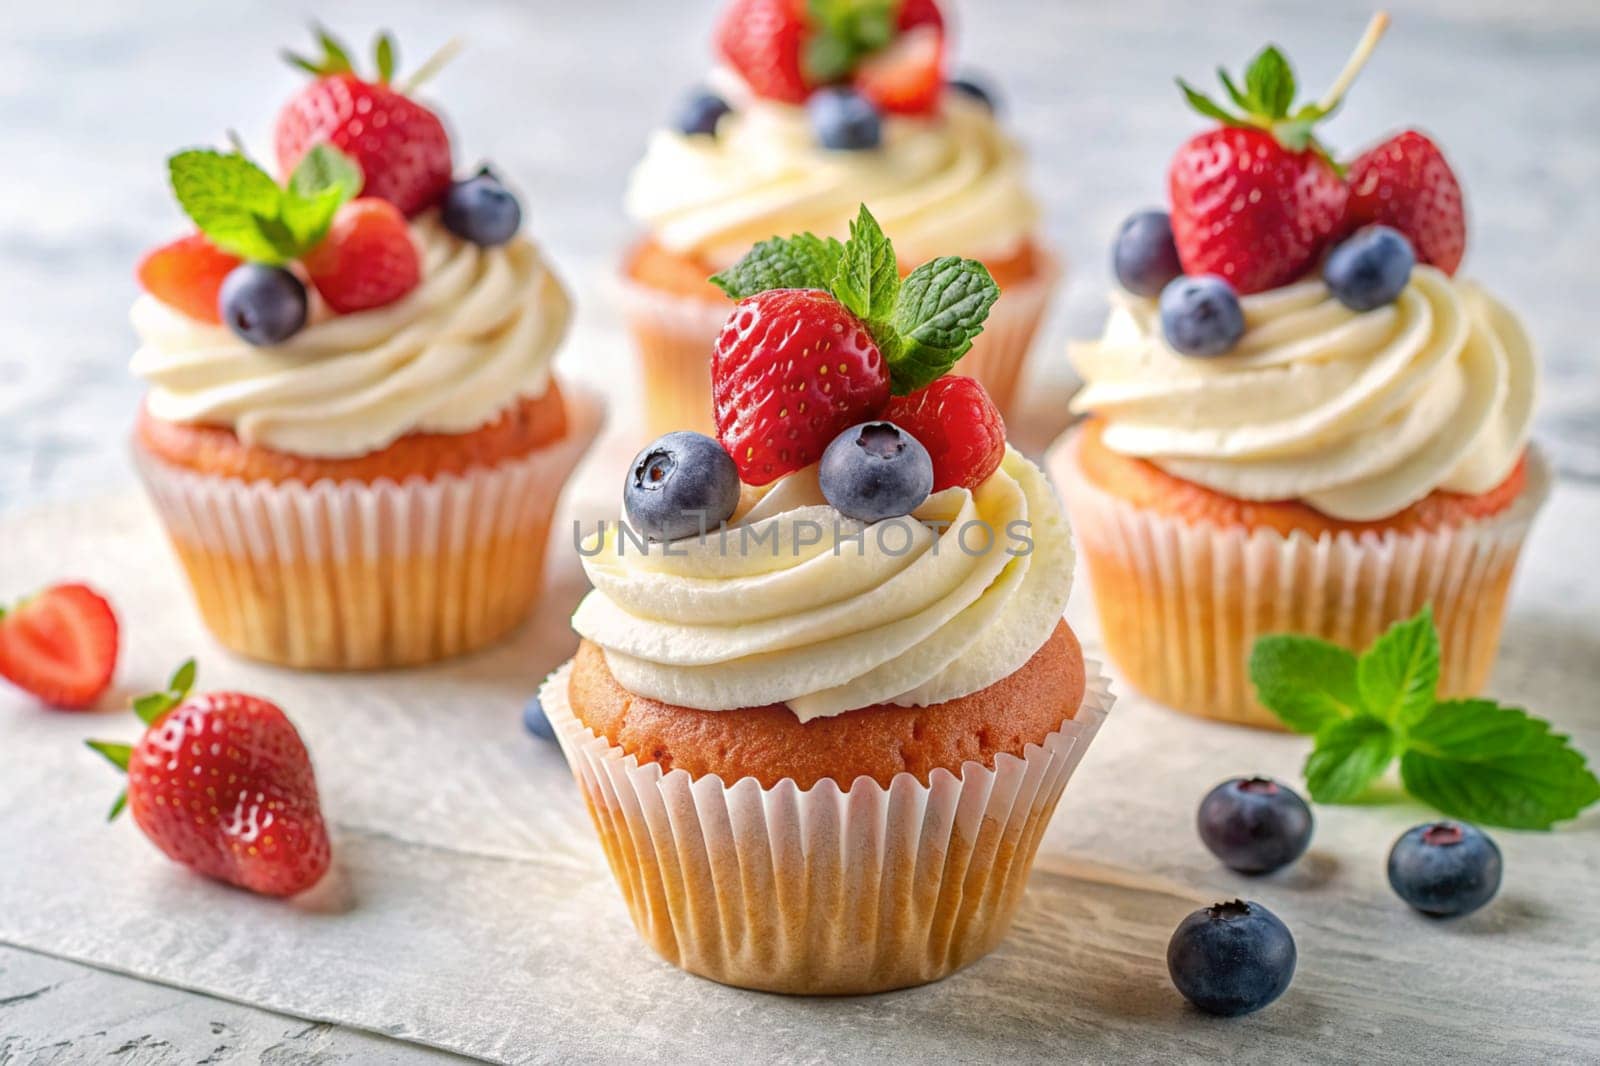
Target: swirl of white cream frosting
pixel 949 184
pixel 1359 414
pixel 478 332
pixel 796 604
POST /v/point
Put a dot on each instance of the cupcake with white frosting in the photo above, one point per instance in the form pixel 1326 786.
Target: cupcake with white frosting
pixel 1300 419
pixel 805 119
pixel 825 701
pixel 352 432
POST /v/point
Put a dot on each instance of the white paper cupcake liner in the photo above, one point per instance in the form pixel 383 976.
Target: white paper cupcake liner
pixel 1181 603
pixel 354 575
pixel 823 891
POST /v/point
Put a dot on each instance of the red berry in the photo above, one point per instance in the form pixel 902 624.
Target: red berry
pixel 907 77
pixel 186 275
pixel 401 146
pixel 61 646
pixel 920 13
pixel 791 371
pixel 1406 183
pixel 367 259
pixel 959 425
pixel 764 40
pixel 1247 209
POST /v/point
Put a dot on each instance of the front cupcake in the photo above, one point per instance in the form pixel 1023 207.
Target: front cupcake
pixel 1283 440
pixel 813 112
pixel 352 433
pixel 825 702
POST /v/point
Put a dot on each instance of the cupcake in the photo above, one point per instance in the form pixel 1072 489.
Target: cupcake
pixel 352 434
pixel 1299 418
pixel 806 118
pixel 825 702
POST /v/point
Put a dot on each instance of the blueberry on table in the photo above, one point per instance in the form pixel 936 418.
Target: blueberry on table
pixel 875 471
pixel 1369 269
pixel 535 721
pixel 976 89
pixel 1445 868
pixel 262 304
pixel 1255 825
pixel 1231 958
pixel 1145 256
pixel 482 210
pixel 700 113
pixel 845 120
pixel 1201 315
pixel 681 485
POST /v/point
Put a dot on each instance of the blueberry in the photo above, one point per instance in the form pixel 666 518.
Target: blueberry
pixel 1445 868
pixel 701 112
pixel 481 210
pixel 1254 824
pixel 976 89
pixel 535 721
pixel 1145 257
pixel 262 304
pixel 1231 958
pixel 875 471
pixel 1201 315
pixel 681 484
pixel 1370 268
pixel 844 119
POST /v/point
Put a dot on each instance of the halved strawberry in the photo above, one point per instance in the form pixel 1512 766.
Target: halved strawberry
pixel 367 259
pixel 61 646
pixel 907 77
pixel 959 425
pixel 1406 183
pixel 764 41
pixel 187 275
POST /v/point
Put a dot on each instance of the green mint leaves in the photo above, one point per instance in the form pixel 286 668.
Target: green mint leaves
pixel 1471 759
pixel 243 211
pixel 1265 102
pixel 922 324
pixel 844 31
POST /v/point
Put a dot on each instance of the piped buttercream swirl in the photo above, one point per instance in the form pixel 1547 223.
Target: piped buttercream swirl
pixel 1357 414
pixel 477 333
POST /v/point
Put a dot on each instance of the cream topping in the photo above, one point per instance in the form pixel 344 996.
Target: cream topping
pixel 479 331
pixel 797 604
pixel 1359 415
pixel 951 184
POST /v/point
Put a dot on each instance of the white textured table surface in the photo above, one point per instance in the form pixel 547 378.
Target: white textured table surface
pixel 92 97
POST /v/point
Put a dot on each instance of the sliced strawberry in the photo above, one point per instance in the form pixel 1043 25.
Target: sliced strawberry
pixel 61 646
pixel 791 370
pixel 187 275
pixel 367 259
pixel 764 41
pixel 907 77
pixel 959 425
pixel 1406 183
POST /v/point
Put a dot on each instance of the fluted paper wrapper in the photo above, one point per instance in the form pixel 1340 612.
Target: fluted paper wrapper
pixel 674 336
pixel 1181 603
pixel 351 575
pixel 823 891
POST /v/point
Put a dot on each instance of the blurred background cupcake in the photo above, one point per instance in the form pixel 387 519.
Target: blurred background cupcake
pixel 1300 419
pixel 351 433
pixel 803 119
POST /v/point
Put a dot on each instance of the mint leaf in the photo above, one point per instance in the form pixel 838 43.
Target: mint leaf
pixel 939 310
pixel 803 261
pixel 844 31
pixel 1399 675
pixel 827 58
pixel 1476 760
pixel 868 278
pixel 1308 683
pixel 323 181
pixel 1349 754
pixel 1269 83
pixel 234 202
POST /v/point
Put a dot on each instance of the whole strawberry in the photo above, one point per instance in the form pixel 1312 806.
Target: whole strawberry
pixel 401 147
pixel 60 645
pixel 959 425
pixel 1406 183
pixel 222 783
pixel 764 40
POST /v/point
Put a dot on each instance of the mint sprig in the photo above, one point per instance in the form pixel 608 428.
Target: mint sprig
pixel 922 325
pixel 1472 759
pixel 243 211
pixel 842 33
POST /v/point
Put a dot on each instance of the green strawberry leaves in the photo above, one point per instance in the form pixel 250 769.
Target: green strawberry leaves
pixel 1265 102
pixel 242 210
pixel 923 324
pixel 1472 759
